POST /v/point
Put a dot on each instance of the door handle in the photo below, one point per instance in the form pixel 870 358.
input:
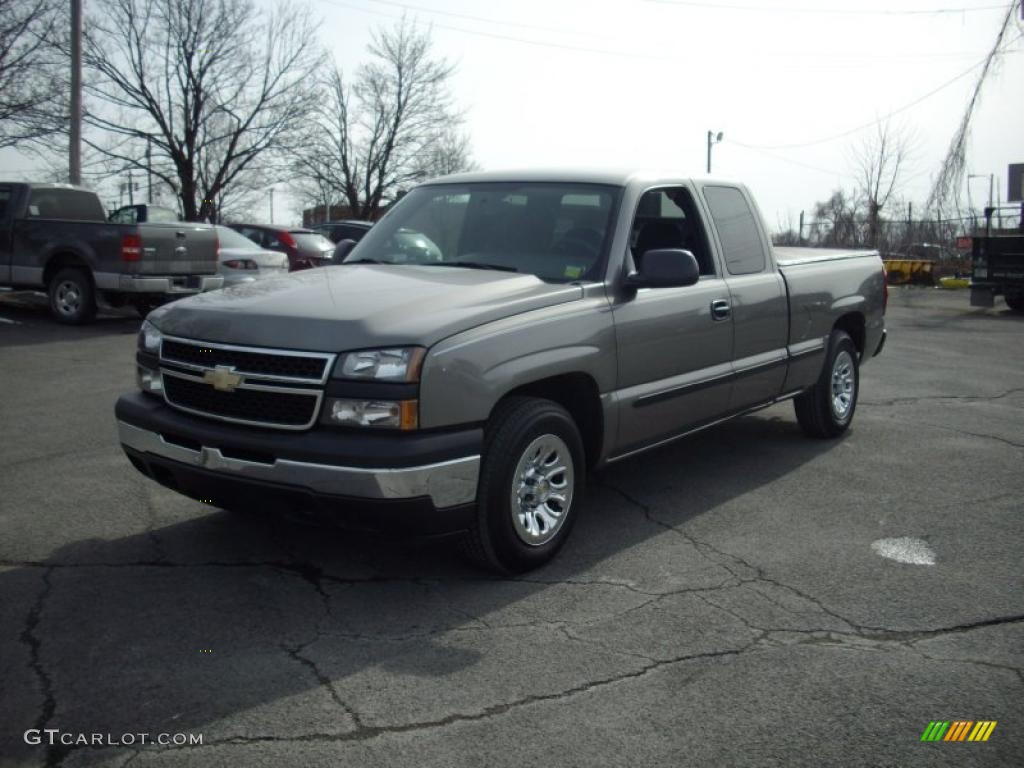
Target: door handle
pixel 720 309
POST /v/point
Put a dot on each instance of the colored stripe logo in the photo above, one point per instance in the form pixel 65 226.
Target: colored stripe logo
pixel 958 730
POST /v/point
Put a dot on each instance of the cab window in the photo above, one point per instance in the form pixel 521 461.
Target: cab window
pixel 667 218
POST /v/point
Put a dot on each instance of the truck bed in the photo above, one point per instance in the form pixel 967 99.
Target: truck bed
pixel 788 256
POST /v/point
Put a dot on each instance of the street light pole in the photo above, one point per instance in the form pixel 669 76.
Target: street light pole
pixel 712 140
pixel 75 144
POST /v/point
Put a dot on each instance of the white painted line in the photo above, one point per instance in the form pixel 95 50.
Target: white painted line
pixel 905 550
pixel 12 322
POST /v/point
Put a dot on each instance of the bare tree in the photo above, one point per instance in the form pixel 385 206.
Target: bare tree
pixel 30 92
pixel 881 160
pixel 395 124
pixel 212 88
pixel 836 220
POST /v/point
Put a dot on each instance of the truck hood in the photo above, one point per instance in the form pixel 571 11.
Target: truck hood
pixel 357 306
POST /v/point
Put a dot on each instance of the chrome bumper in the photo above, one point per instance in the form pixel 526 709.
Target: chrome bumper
pixel 448 483
pixel 108 281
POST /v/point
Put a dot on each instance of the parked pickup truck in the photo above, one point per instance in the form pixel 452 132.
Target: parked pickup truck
pixel 57 237
pixel 494 338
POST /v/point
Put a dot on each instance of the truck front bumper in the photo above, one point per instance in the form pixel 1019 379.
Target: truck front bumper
pixel 415 483
pixel 184 284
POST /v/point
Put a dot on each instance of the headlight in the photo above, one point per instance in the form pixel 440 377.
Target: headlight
pixel 398 364
pixel 392 414
pixel 149 338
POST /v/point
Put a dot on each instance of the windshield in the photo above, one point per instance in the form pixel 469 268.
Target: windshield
pixel 158 213
pixel 312 241
pixel 229 238
pixel 555 231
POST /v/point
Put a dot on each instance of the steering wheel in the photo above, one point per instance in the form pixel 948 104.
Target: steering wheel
pixel 578 243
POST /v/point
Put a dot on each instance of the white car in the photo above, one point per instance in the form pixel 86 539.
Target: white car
pixel 242 261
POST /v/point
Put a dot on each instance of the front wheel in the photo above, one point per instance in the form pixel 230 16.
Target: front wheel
pixel 826 409
pixel 531 485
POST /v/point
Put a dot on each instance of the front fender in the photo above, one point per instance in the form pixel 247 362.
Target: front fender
pixel 465 375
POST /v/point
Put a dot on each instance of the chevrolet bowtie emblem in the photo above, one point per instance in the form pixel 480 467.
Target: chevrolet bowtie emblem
pixel 223 378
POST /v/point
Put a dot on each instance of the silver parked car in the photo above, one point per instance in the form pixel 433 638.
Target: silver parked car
pixel 242 261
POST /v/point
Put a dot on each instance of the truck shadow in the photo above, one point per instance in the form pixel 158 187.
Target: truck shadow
pixel 25 320
pixel 214 624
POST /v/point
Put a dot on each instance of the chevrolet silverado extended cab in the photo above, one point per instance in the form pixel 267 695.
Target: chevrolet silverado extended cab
pixel 490 341
pixel 57 237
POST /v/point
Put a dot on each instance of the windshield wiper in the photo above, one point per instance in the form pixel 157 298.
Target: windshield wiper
pixel 471 265
pixel 366 261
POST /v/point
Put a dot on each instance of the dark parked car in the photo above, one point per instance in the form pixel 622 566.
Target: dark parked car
pixel 139 214
pixel 347 229
pixel 304 247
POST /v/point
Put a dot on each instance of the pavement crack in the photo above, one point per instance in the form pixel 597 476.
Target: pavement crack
pixel 366 732
pixel 30 637
pixel 295 652
pixel 965 398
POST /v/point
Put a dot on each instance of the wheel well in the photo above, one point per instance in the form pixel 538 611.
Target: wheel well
pixel 58 262
pixel 578 394
pixel 853 324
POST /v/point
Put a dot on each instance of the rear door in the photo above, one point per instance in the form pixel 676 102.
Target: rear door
pixel 674 351
pixel 758 302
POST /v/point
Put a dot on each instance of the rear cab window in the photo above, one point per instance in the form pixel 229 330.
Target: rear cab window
pixel 70 204
pixel 738 232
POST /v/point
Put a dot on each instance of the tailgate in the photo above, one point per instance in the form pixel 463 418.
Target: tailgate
pixel 179 248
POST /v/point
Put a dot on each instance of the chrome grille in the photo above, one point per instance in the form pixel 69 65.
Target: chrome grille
pixel 278 365
pixel 273 388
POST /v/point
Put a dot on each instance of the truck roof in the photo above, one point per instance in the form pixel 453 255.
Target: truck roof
pixel 611 176
pixel 47 185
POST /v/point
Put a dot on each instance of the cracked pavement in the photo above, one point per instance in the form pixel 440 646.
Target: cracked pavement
pixel 718 604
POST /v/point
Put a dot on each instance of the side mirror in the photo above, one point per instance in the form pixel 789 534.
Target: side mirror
pixel 342 249
pixel 665 268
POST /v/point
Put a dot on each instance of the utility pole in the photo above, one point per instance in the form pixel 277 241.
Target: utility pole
pixel 149 171
pixel 75 146
pixel 271 205
pixel 800 237
pixel 131 188
pixel 712 140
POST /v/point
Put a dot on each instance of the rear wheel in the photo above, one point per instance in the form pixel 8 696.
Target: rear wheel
pixel 72 296
pixel 1015 301
pixel 531 484
pixel 826 409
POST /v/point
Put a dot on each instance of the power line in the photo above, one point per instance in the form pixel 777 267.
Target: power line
pixel 853 56
pixel 882 119
pixel 827 11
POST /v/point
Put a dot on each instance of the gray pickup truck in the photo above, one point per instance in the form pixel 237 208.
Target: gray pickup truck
pixel 494 338
pixel 57 237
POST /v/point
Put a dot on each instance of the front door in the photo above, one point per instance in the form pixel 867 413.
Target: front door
pixel 674 344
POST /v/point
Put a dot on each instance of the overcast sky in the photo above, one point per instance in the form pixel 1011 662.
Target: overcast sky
pixel 640 82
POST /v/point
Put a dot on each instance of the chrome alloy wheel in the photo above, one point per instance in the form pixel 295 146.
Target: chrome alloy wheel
pixel 844 385
pixel 542 488
pixel 69 298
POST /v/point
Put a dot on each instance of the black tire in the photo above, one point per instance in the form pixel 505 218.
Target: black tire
pixel 820 410
pixel 1015 301
pixel 498 541
pixel 72 296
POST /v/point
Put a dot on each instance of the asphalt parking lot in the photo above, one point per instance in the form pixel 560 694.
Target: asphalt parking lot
pixel 723 601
